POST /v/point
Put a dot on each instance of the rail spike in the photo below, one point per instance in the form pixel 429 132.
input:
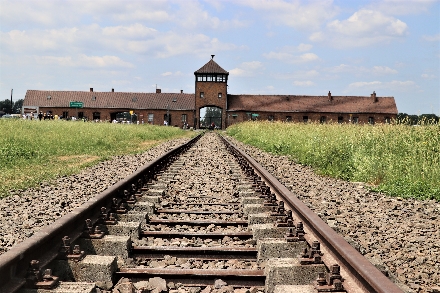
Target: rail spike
pixel 332 282
pixel 36 279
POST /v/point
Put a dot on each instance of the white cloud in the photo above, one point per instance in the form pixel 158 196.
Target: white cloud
pixel 428 76
pixel 363 28
pixel 292 58
pixel 433 38
pixel 169 73
pixel 392 86
pixel 361 70
pixel 294 14
pixel 247 69
pixel 84 61
pixel 402 7
pixel 303 83
pixel 379 70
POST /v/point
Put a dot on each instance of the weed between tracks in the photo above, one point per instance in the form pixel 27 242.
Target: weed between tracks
pixel 399 160
pixel 34 151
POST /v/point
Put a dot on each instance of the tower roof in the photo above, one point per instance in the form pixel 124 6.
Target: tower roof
pixel 211 67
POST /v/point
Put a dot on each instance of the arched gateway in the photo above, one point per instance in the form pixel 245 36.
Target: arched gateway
pixel 211 95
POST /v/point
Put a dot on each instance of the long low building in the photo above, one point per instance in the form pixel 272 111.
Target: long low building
pixel 209 105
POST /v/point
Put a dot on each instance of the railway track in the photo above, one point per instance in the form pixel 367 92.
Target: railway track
pixel 205 216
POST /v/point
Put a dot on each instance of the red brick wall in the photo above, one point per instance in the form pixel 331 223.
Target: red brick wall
pixel 211 91
pixel 158 115
pixel 312 117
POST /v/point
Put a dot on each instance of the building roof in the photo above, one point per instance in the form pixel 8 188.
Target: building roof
pixel 311 104
pixel 211 67
pixel 175 101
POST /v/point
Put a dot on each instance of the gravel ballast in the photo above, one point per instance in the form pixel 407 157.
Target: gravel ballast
pixel 401 236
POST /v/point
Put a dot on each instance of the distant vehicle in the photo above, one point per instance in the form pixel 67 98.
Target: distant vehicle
pixel 7 116
pixel 126 117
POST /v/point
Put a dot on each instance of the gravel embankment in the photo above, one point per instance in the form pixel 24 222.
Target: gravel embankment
pixel 24 213
pixel 401 236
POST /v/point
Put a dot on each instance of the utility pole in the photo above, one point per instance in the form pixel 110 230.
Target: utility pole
pixel 12 105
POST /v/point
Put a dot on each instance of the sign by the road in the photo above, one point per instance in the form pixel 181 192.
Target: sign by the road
pixel 76 104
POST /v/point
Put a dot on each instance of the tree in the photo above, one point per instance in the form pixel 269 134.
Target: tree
pixel 404 118
pixel 17 106
pixel 5 106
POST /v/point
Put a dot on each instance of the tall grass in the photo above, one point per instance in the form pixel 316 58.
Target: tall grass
pixel 399 160
pixel 33 151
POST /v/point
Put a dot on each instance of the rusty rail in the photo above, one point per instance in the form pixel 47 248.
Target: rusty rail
pixel 364 273
pixel 15 262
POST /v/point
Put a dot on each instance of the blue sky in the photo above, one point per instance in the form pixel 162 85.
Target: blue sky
pixel 269 47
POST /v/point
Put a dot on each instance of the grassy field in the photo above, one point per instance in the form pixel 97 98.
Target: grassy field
pixel 33 151
pixel 399 160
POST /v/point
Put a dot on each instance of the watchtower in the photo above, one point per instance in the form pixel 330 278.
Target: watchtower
pixel 211 95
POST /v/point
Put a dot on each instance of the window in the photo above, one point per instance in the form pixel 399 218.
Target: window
pixel 49 97
pixel 288 118
pixel 134 99
pixel 387 120
pixel 305 119
pixel 202 95
pixel 371 120
pixel 322 119
pixel 80 115
pixel 221 78
pixel 65 114
pixel 219 95
pixel 355 120
pixel 340 119
pixel 94 98
pixel 270 117
pixel 150 118
pixel 234 116
pixel 96 115
pixel 183 117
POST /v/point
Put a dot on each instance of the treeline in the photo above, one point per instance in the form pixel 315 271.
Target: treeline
pixel 5 106
pixel 403 118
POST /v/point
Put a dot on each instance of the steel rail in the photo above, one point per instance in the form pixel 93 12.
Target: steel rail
pixel 366 275
pixel 15 262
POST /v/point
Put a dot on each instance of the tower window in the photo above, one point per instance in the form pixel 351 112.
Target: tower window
pixel 219 95
pixel 202 95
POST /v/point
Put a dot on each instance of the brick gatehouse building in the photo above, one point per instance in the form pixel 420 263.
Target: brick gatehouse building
pixel 210 104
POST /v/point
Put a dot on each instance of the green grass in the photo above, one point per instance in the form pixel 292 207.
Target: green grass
pixel 398 160
pixel 34 151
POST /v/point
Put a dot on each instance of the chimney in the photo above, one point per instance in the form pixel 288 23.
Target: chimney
pixel 91 90
pixel 158 91
pixel 373 95
pixel 330 98
pixel 181 91
pixel 113 90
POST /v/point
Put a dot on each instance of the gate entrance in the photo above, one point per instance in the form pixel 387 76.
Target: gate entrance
pixel 210 116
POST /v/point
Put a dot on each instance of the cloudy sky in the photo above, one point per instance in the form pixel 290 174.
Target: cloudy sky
pixel 269 47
